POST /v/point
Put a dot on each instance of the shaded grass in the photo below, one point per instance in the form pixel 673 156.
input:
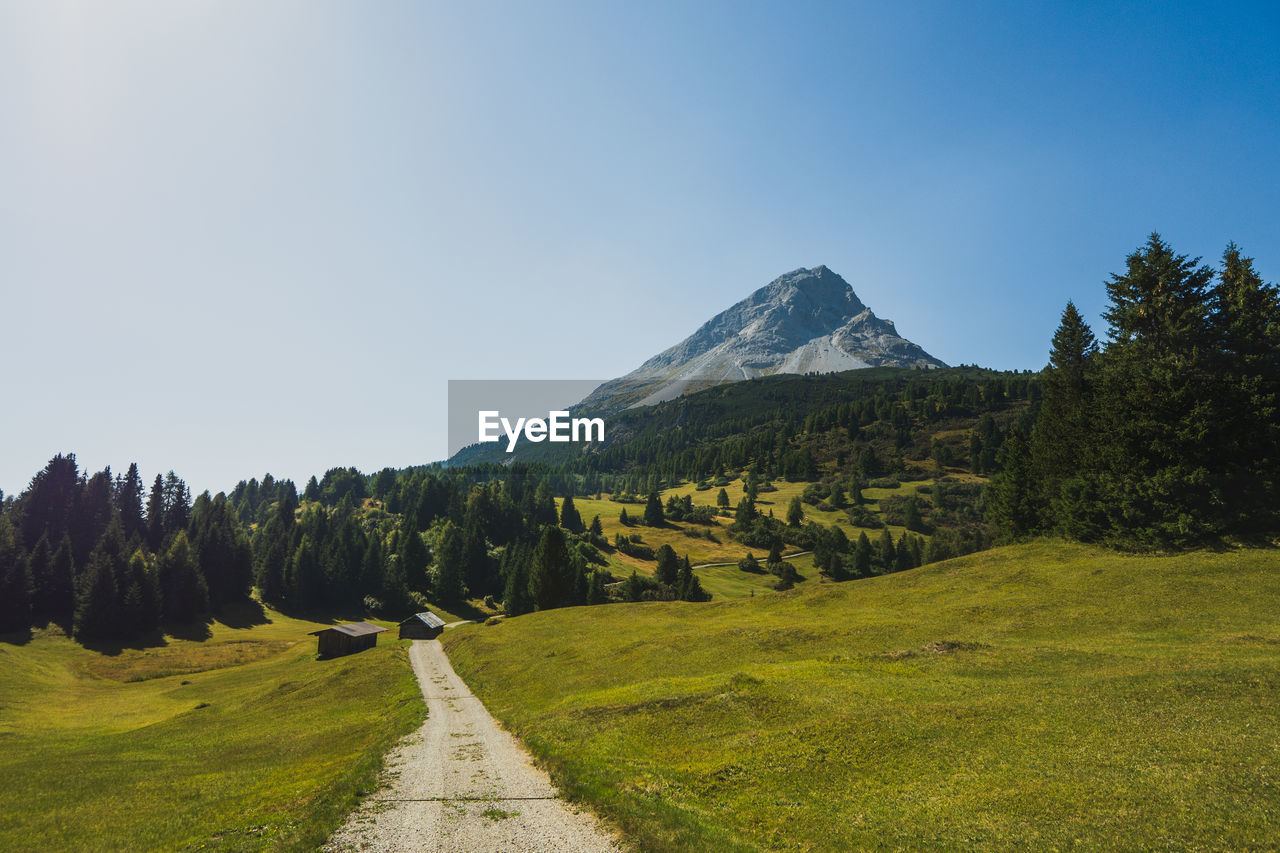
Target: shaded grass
pixel 241 742
pixel 1043 696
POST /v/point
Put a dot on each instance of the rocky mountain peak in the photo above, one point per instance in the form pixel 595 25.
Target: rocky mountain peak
pixel 807 320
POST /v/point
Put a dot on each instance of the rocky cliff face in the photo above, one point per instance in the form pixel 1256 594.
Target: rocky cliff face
pixel 803 322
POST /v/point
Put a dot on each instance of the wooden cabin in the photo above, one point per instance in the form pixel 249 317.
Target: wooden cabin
pixel 345 639
pixel 421 626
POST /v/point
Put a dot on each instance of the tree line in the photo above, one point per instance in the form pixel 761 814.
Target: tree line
pixel 108 560
pixel 1166 435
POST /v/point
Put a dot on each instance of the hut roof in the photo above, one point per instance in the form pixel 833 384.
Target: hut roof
pixel 351 629
pixel 427 618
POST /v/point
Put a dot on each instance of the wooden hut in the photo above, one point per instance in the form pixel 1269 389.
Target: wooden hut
pixel 345 639
pixel 421 626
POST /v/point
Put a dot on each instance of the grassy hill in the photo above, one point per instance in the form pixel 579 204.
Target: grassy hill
pixel 691 539
pixel 238 741
pixel 1044 696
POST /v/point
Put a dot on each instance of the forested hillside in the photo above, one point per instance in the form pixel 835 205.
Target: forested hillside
pixel 880 471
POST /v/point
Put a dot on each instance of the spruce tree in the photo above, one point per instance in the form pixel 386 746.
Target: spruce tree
pixel 1061 446
pixel 722 499
pixel 595 590
pixel 129 494
pixel 653 516
pixel 46 591
pixel 449 572
pixel 140 601
pixel 98 611
pixel 183 592
pixel 413 557
pixel 570 519
pixel 1010 497
pixel 795 512
pixel 155 514
pixel 1246 319
pixel 15 580
pixel 516 600
pixel 902 559
pixel 668 566
pixel 862 556
pixel 596 530
pixel 1157 401
pixel 886 554
pixel 550 579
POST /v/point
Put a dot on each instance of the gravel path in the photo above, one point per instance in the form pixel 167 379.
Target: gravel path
pixel 461 783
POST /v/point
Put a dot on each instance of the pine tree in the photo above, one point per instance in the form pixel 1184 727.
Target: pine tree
pixel 596 530
pixel 1246 320
pixel 570 520
pixel 1060 447
pixel 98 612
pixel 449 571
pixel 653 516
pixel 273 548
pixel 595 590
pixel 544 506
pixel 129 493
pixel 140 601
pixel 902 560
pixel 634 588
pixel 1156 401
pixel 413 556
pixel 47 506
pixel 46 591
pixel 775 555
pixel 668 566
pixel 550 579
pixel 886 554
pixel 722 499
pixel 911 516
pixel 372 567
pixel 155 514
pixel 862 556
pixel 516 600
pixel 1009 496
pixel 795 512
pixel 221 550
pixel 177 504
pixel 623 518
pixel 15 580
pixel 183 592
pixel 684 578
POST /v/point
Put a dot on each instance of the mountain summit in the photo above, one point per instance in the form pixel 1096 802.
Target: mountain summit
pixel 805 321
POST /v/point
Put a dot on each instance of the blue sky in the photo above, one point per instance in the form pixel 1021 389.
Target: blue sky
pixel 241 237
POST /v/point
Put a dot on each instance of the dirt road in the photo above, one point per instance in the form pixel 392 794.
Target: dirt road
pixel 462 783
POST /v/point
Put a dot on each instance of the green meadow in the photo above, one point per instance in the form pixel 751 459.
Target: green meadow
pixel 241 740
pixel 1044 696
pixel 726 581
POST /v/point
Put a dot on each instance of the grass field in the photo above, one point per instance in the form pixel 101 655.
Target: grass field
pixel 1044 696
pixel 241 741
pixel 725 581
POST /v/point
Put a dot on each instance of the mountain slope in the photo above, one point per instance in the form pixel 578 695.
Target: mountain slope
pixel 804 321
pixel 1042 696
